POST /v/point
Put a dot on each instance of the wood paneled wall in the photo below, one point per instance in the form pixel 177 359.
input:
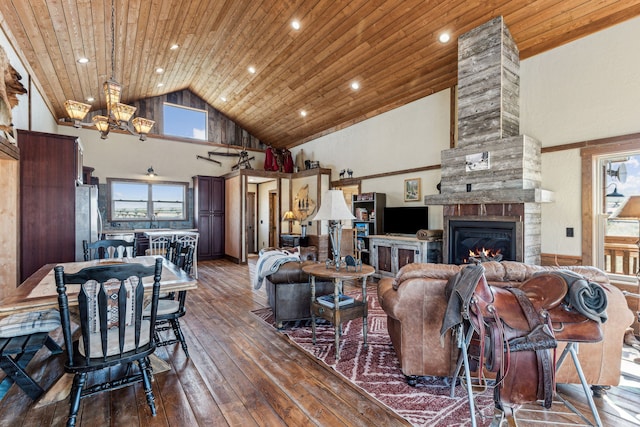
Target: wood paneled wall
pixel 222 130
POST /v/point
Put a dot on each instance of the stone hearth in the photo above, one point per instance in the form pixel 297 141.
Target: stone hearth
pixel 493 171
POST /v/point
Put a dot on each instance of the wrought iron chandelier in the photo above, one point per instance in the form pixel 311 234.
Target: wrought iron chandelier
pixel 118 114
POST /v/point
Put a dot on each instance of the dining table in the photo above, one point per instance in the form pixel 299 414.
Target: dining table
pixel 38 292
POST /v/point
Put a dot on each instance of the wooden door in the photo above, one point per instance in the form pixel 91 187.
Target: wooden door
pixel 209 216
pixel 384 258
pixel 405 256
pixel 273 219
pixel 251 223
pixel 48 173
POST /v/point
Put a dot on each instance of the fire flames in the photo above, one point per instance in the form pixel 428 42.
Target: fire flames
pixel 483 255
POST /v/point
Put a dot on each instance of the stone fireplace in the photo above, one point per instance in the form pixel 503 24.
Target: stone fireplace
pixel 492 177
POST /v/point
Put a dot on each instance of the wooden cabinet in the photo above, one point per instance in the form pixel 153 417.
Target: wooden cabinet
pixel 208 193
pixel 48 175
pixel 368 208
pixel 390 253
pixel 9 183
pixel 293 240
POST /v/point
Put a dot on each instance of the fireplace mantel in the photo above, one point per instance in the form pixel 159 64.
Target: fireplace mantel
pixel 532 195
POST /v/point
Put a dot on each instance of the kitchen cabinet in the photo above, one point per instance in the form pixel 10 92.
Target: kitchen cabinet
pixel 50 167
pixel 208 193
pixel 390 253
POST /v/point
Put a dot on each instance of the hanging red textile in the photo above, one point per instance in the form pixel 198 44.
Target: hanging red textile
pixel 274 159
pixel 268 159
pixel 288 161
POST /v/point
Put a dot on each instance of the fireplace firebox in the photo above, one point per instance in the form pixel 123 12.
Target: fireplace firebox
pixel 483 240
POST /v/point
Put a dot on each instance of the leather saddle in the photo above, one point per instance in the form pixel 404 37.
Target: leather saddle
pixel 518 328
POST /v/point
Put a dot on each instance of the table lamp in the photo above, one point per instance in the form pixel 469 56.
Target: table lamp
pixel 334 209
pixel 289 217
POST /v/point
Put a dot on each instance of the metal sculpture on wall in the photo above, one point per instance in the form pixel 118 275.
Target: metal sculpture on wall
pixel 303 206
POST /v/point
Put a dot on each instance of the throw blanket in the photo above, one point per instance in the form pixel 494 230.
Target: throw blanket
pixel 587 298
pixel 269 262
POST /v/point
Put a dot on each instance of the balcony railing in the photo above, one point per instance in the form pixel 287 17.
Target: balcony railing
pixel 621 255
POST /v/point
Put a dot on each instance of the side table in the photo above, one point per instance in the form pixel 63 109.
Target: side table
pixel 337 314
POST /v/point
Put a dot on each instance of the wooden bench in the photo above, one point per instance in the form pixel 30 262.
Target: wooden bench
pixel 15 355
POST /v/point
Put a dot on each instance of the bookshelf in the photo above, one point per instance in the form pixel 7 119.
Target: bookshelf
pixel 368 208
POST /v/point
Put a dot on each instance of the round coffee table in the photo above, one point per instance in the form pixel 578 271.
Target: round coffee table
pixel 337 313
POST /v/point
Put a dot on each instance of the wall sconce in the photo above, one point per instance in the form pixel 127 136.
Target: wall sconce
pixel 151 172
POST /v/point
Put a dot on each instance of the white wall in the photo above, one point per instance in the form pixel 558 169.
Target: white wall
pixel 41 118
pixel 125 156
pixel 585 90
pixel 407 137
pixel 263 212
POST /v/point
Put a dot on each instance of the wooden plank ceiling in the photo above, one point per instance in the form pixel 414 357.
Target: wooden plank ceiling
pixel 390 47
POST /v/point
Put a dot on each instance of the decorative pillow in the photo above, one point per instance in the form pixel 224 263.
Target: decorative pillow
pixel 112 289
pixel 29 323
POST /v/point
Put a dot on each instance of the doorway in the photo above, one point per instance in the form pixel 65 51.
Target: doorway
pixel 610 234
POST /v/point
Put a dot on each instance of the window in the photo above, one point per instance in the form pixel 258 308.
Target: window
pixel 184 122
pixel 131 200
pixel 620 200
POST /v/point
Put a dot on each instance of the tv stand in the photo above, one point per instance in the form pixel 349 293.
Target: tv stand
pixel 390 253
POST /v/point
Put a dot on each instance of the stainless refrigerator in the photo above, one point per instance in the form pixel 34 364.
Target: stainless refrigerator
pixel 88 219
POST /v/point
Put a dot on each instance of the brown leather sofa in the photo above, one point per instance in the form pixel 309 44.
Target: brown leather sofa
pixel 289 289
pixel 415 304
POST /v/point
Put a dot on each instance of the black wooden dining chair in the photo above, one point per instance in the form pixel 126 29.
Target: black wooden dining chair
pixel 172 307
pixel 108 248
pixel 113 330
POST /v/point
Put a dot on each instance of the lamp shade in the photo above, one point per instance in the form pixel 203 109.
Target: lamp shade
pixel 333 207
pixel 142 126
pixel 76 110
pixel 289 216
pixel 123 112
pixel 101 122
pixel 112 91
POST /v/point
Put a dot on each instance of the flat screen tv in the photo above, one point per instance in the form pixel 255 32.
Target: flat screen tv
pixel 405 219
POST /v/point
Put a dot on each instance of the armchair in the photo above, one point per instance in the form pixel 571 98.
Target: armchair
pixel 415 303
pixel 289 289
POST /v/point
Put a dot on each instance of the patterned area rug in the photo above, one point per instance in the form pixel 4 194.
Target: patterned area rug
pixel 376 370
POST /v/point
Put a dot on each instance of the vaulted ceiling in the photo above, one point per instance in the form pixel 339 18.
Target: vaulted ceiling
pixel 390 47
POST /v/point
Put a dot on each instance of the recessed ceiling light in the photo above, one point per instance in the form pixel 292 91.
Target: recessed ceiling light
pixel 159 70
pixel 303 113
pixel 444 37
pixel 174 46
pixel 83 60
pixel 160 84
pixel 295 24
pixel 355 85
pixel 223 98
pixel 90 99
pixel 252 69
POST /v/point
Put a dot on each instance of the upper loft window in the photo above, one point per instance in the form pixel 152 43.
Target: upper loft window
pixel 184 122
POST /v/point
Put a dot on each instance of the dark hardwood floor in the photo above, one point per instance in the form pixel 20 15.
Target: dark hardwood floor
pixel 241 373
